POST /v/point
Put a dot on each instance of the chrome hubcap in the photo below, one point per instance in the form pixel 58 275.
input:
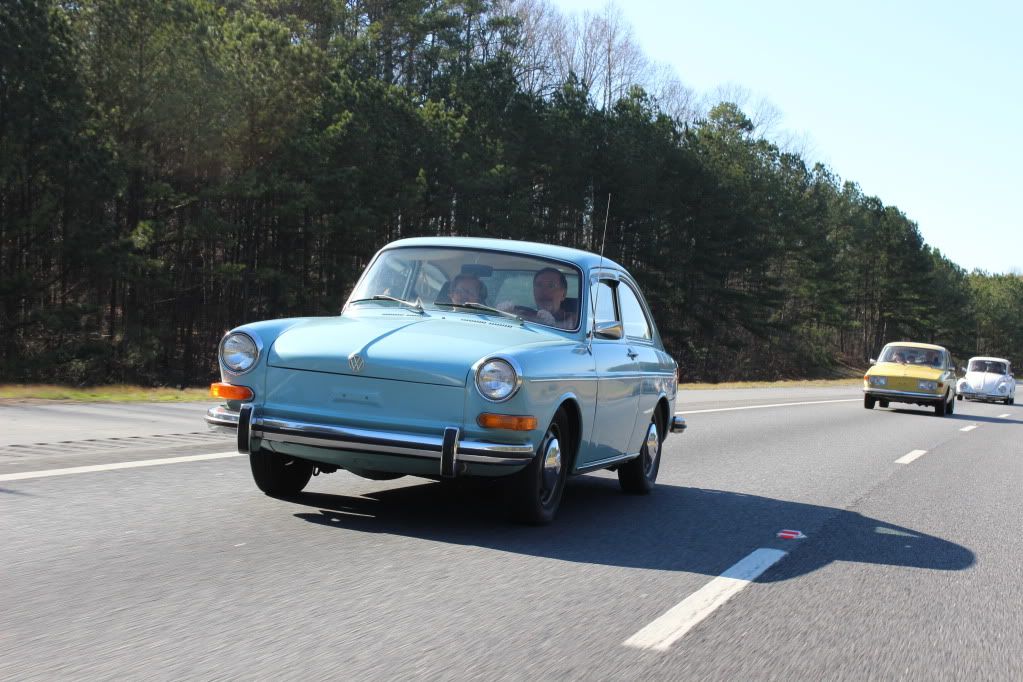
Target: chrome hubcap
pixel 551 468
pixel 650 448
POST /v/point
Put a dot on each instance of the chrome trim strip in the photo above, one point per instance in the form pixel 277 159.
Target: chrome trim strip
pixel 590 377
pixel 593 466
pixel 907 394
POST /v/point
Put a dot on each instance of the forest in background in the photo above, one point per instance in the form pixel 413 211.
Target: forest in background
pixel 170 169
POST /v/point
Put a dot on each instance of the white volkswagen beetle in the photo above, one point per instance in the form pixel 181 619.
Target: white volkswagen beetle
pixel 988 379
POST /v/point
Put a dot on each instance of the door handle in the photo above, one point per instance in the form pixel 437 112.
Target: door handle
pixel 632 354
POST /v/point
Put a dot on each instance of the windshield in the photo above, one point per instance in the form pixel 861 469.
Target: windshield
pixel 987 366
pixel 908 355
pixel 536 289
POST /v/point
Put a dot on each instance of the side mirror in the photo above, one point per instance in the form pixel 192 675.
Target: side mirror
pixel 873 361
pixel 609 330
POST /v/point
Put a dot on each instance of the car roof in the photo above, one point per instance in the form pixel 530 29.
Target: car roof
pixel 988 358
pixel 914 344
pixel 583 259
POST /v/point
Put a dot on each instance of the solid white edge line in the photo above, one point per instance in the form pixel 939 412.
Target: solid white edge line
pixel 687 614
pixel 760 407
pixel 971 427
pixel 910 456
pixel 115 465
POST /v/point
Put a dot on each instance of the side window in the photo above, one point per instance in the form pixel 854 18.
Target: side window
pixel 636 324
pixel 604 296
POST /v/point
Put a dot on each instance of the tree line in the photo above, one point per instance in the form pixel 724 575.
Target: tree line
pixel 170 169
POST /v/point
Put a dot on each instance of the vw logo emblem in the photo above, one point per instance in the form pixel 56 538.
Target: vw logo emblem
pixel 356 362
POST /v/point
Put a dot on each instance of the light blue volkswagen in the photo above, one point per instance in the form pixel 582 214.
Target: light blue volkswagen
pixel 459 357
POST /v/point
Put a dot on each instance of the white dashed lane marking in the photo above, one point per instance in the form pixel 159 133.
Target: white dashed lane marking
pixel 1003 416
pixel 971 427
pixel 116 465
pixel 910 456
pixel 688 613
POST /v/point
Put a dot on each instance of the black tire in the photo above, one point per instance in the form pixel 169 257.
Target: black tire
pixel 868 402
pixel 882 403
pixel 279 475
pixel 535 492
pixel 959 397
pixel 638 476
pixel 951 408
pixel 941 407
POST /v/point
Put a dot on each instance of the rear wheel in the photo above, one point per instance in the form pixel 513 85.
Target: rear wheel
pixel 868 402
pixel 639 475
pixel 279 475
pixel 536 491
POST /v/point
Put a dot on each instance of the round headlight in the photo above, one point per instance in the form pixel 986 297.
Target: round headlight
pixel 497 380
pixel 238 352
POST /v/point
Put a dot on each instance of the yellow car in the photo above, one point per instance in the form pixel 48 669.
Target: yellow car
pixel 915 373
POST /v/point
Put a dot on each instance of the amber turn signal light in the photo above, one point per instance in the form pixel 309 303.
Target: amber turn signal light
pixel 510 422
pixel 230 391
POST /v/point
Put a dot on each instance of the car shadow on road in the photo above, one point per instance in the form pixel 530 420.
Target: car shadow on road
pixel 956 416
pixel 675 528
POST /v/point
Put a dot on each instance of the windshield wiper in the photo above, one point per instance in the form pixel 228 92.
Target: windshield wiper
pixel 417 306
pixel 486 308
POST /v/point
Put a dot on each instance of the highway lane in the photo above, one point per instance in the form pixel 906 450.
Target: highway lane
pixel 186 570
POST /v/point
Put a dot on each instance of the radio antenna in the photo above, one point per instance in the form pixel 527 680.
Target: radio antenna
pixel 600 268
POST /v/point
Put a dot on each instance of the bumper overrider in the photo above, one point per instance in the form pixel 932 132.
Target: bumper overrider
pixel 448 449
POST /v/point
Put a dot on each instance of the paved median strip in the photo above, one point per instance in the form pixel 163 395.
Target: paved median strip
pixel 687 614
pixel 910 456
pixel 116 465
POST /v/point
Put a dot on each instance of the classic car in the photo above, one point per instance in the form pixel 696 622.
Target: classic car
pixel 988 379
pixel 459 357
pixel 914 373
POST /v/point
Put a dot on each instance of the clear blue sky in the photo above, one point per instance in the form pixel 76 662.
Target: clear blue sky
pixel 920 103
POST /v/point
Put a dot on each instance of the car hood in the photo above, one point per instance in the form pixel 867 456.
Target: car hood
pixel 895 369
pixel 437 348
pixel 985 381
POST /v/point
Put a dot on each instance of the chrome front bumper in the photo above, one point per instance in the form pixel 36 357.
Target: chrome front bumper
pixel 978 395
pixel 891 394
pixel 448 449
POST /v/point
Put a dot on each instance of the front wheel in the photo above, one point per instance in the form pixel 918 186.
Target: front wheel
pixel 941 407
pixel 536 491
pixel 868 402
pixel 639 475
pixel 279 475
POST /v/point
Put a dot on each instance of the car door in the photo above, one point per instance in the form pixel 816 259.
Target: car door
pixel 615 368
pixel 650 362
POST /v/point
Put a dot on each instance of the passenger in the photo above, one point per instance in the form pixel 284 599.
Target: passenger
pixel 466 288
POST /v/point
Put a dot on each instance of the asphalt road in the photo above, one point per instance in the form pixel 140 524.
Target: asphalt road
pixel 909 567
